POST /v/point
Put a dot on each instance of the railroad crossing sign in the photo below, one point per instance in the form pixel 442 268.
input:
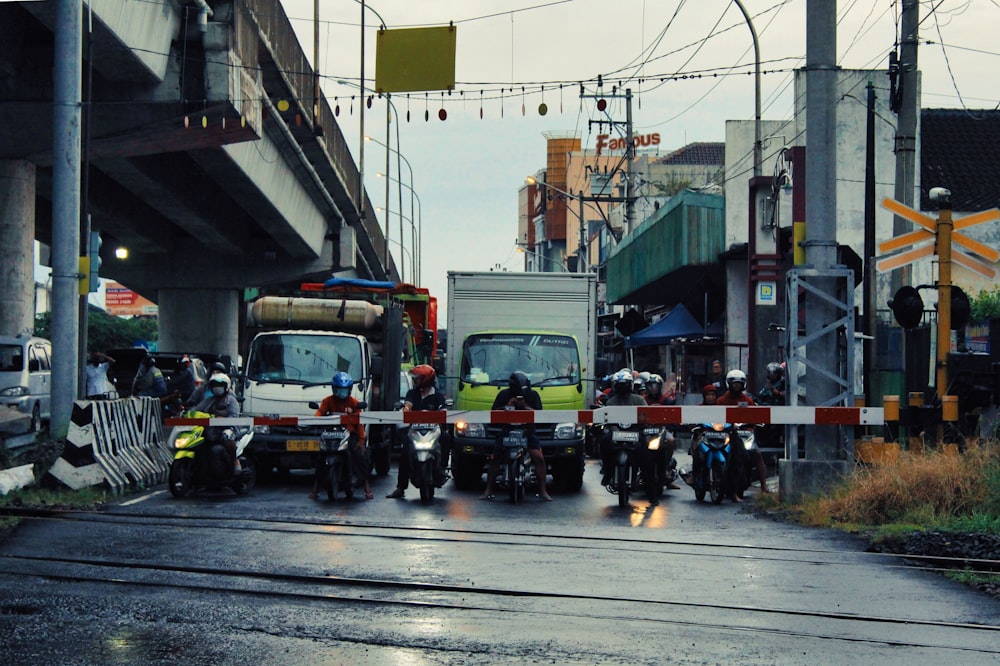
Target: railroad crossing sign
pixel 928 232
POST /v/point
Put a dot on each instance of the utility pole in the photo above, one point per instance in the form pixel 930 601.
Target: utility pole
pixel 904 102
pixel 629 197
pixel 66 121
pixel 629 159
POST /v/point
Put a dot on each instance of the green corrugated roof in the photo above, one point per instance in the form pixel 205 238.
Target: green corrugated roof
pixel 689 230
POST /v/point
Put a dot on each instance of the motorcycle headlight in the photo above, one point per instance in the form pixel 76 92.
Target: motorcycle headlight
pixel 569 431
pixel 654 444
pixel 470 429
pixel 423 439
pixel 718 427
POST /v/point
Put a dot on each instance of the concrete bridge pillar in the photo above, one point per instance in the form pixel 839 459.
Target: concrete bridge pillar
pixel 200 320
pixel 17 253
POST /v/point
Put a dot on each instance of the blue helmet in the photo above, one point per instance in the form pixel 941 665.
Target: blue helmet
pixel 342 384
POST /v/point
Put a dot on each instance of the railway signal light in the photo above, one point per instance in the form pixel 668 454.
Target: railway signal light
pixel 907 306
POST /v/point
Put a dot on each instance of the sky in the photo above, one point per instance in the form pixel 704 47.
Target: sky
pixel 689 65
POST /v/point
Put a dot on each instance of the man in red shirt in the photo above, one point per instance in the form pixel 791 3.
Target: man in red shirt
pixel 735 394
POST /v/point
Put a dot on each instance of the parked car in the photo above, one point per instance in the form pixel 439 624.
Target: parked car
pixel 26 377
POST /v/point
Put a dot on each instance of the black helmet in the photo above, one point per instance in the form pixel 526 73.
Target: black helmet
pixel 148 361
pixel 218 367
pixel 519 383
pixel 775 372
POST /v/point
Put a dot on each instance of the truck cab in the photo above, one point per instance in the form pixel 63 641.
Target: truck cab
pixel 552 361
pixel 285 371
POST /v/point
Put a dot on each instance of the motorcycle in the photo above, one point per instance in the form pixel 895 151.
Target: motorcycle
pixel 337 473
pixel 202 461
pixel 635 448
pixel 665 469
pixel 720 457
pixel 424 449
pixel 517 469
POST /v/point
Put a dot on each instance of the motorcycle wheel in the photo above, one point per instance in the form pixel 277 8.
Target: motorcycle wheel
pixel 717 485
pixel 621 481
pixel 181 477
pixel 332 482
pixel 380 460
pixel 514 480
pixel 426 476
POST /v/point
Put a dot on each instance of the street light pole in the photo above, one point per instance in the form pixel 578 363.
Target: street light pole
pixel 416 220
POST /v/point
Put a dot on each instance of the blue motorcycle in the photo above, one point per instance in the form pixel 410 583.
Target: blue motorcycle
pixel 720 462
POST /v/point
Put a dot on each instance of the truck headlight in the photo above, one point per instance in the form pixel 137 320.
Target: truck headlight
pixel 262 430
pixel 464 429
pixel 569 431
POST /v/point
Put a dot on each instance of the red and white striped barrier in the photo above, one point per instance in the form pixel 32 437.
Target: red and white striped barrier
pixel 849 416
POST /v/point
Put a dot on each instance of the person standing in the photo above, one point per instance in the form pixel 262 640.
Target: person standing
pixel 98 385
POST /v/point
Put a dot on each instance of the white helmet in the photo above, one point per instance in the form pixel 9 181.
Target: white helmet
pixel 220 379
pixel 736 376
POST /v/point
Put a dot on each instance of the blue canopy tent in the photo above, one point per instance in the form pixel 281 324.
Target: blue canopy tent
pixel 678 323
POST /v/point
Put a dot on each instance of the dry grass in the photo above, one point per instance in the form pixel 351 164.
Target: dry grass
pixel 919 489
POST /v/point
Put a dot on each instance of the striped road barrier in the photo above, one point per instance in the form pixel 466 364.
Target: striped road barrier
pixel 695 414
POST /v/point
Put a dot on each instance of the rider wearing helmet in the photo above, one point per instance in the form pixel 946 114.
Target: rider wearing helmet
pixel 199 392
pixel 655 394
pixel 149 380
pixel 773 392
pixel 518 396
pixel 342 402
pixel 639 383
pixel 422 397
pixel 621 396
pixel 736 394
pixel 220 401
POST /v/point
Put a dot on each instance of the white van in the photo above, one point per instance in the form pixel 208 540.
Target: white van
pixel 26 376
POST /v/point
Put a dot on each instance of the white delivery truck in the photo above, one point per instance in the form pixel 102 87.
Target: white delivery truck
pixel 544 324
pixel 298 344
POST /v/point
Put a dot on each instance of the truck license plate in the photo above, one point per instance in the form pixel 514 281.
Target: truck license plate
pixel 302 445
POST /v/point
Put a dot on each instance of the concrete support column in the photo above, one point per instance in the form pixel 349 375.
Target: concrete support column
pixel 200 320
pixel 17 236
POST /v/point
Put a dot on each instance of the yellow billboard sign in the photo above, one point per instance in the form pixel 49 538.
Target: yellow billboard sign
pixel 409 59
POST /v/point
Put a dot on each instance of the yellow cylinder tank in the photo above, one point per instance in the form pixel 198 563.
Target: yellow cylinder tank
pixel 327 314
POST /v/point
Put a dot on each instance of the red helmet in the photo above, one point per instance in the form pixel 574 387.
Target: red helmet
pixel 423 375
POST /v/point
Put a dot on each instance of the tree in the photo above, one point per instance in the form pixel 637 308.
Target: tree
pixel 986 305
pixel 105 331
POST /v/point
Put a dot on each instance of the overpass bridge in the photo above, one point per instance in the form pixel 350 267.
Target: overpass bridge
pixel 201 156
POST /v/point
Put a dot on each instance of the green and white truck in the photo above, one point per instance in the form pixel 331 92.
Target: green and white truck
pixel 544 324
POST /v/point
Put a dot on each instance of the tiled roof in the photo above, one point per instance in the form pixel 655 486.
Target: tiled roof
pixel 960 150
pixel 708 153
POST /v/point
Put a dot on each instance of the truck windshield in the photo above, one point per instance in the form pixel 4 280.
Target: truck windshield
pixel 303 359
pixel 548 360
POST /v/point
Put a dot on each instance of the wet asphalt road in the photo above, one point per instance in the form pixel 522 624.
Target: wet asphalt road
pixel 276 578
